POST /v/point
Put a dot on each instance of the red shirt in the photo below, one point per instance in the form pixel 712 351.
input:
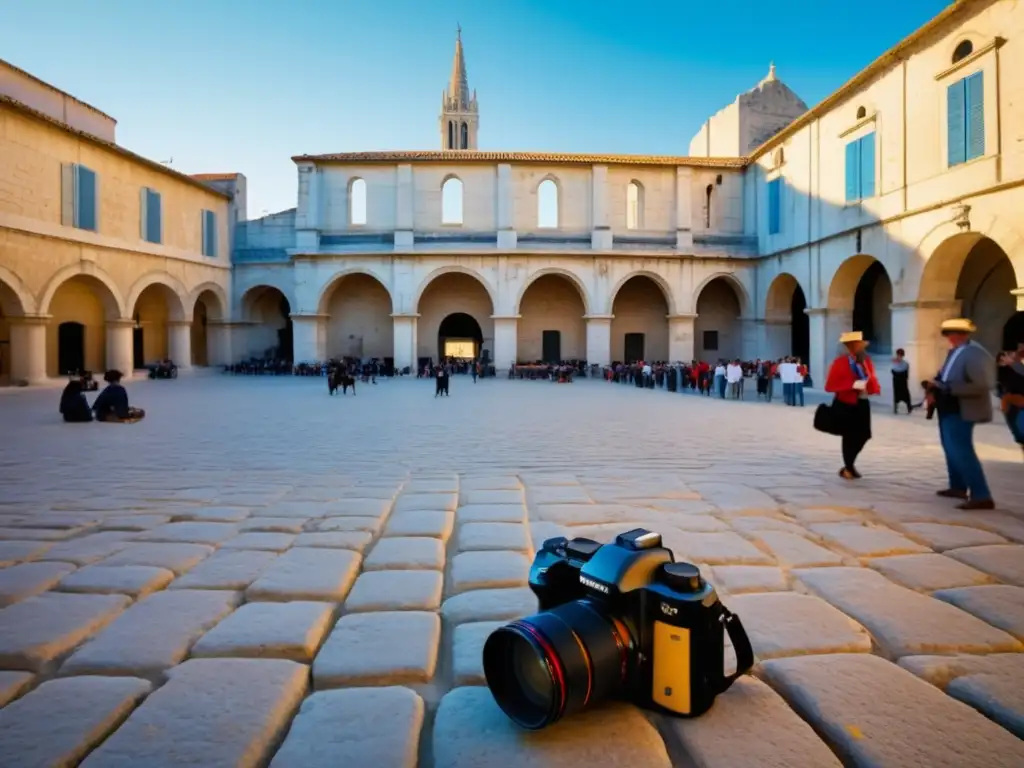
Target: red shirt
pixel 841 378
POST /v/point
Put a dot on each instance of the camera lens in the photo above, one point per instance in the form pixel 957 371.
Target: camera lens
pixel 556 662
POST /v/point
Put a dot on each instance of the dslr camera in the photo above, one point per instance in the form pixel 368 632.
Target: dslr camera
pixel 620 620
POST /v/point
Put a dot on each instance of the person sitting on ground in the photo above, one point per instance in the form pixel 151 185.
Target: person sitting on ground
pixel 73 405
pixel 112 403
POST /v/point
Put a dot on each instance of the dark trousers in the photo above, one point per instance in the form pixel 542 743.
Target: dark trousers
pixel 856 432
pixel 900 392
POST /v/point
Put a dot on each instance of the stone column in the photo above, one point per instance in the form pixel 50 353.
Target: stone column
pixel 599 339
pixel 307 338
pixel 28 349
pixel 684 210
pixel 120 347
pixel 405 207
pixel 506 340
pixel 307 219
pixel 777 339
pixel 751 338
pixel 218 343
pixel 179 343
pixel 680 338
pixel 507 237
pixel 601 234
pixel 916 329
pixel 404 329
pixel 1018 294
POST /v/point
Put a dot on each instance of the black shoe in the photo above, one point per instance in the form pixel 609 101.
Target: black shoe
pixel 952 493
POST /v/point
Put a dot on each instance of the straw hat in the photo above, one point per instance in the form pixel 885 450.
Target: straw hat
pixel 958 325
pixel 851 336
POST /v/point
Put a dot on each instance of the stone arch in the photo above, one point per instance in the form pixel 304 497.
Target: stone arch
pixel 654 277
pixel 15 299
pixel 176 295
pixel 110 295
pixel 357 306
pixel 217 309
pixel 337 277
pixel 453 269
pixel 208 302
pixel 640 306
pixel 551 306
pixel 266 309
pixel 738 288
pixel 860 296
pixel 787 326
pixel 720 307
pixel 157 304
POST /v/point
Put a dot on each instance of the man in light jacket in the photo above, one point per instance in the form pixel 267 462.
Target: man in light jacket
pixel 963 397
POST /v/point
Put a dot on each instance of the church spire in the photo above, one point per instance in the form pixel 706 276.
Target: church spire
pixel 459 117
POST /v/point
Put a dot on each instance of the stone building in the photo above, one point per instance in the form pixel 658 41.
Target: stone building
pixel 891 205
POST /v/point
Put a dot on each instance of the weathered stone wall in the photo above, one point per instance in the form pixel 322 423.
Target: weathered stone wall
pixel 552 303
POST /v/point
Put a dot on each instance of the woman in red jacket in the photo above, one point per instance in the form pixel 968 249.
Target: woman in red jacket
pixel 852 379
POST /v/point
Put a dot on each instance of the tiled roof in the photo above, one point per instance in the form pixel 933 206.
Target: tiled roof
pixel 553 158
pixel 96 140
pixel 214 176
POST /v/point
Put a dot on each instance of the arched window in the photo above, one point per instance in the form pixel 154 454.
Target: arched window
pixel 964 49
pixel 707 206
pixel 634 205
pixel 465 136
pixel 861 113
pixel 547 204
pixel 451 202
pixel 357 203
pixel 451 135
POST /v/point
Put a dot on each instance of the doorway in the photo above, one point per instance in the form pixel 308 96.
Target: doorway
pixel 551 346
pixel 70 348
pixel 459 335
pixel 633 348
pixel 138 348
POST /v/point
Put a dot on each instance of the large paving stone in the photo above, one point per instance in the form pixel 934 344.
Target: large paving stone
pixel 357 541
pixel 308 574
pixel 135 580
pixel 557 494
pixel 488 570
pixel 434 523
pixel 491 513
pixel 871 712
pixel 36 534
pixel 272 525
pixel 754 524
pixel 211 712
pixel 867 541
pixel 386 648
pixel 377 727
pixel 1004 561
pixel 490 483
pixel 266 541
pixel 61 721
pixel 37 631
pixel 191 533
pixel 153 635
pixel 489 605
pixel 470 731
pixel 269 630
pixel 732 497
pixel 904 622
pixel 214 514
pixel 174 557
pixel 226 569
pixel 942 537
pixel 468 649
pixel 353 523
pixel 27 579
pixel 492 497
pixel 88 549
pixel 418 485
pixel 412 502
pixel 368 507
pixel 13 684
pixel 695 524
pixel 396 591
pixel 406 553
pixel 494 536
pixel 738 579
pixel 797 551
pixel 773 735
pixel 719 549
pixel 788 624
pixel 927 573
pixel 593 514
pixel 1001 605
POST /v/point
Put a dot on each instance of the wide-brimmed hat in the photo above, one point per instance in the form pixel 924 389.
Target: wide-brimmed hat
pixel 851 336
pixel 113 376
pixel 958 325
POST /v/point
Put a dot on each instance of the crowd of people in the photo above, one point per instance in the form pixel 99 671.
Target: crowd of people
pixel 111 405
pixel 562 373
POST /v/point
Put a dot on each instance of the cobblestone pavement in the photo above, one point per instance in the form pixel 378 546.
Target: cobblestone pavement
pixel 260 574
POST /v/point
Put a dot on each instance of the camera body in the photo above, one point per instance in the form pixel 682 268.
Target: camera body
pixel 670 620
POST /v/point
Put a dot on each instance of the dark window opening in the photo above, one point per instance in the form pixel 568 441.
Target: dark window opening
pixel 710 341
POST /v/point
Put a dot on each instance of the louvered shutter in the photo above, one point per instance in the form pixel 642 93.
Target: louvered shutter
pixel 975 118
pixel 853 171
pixel 67 194
pixel 956 123
pixel 867 166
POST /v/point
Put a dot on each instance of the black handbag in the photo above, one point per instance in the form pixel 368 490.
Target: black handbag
pixel 828 419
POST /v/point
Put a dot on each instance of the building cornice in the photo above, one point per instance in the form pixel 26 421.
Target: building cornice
pixel 55 89
pixel 542 158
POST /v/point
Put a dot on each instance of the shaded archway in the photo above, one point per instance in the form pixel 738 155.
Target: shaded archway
pixel 788 328
pixel 859 299
pixel 207 311
pixel 268 313
pixel 359 320
pixel 718 331
pixel 156 307
pixel 1013 332
pixel 10 308
pixel 451 293
pixel 551 324
pixel 459 337
pixel 88 302
pixel 639 329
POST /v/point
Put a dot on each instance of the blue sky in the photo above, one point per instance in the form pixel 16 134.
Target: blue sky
pixel 243 85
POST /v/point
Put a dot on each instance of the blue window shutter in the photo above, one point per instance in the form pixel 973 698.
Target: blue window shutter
pixel 153 216
pixel 67 194
pixel 867 166
pixel 956 119
pixel 774 205
pixel 205 241
pixel 853 171
pixel 85 202
pixel 975 102
pixel 212 229
pixel 143 207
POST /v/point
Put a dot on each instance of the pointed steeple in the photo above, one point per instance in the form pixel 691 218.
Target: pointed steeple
pixel 458 84
pixel 459 114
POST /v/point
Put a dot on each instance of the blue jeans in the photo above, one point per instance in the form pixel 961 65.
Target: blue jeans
pixel 787 393
pixel 720 386
pixel 1015 421
pixel 962 464
pixel 798 394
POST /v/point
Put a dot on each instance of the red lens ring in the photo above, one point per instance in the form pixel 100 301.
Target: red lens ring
pixel 551 659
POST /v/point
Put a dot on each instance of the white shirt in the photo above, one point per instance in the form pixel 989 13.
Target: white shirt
pixel 647 370
pixel 948 366
pixel 733 374
pixel 788 373
pixel 720 370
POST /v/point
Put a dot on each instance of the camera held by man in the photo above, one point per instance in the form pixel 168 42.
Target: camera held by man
pixel 620 620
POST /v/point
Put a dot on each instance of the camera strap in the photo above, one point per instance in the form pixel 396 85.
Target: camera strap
pixel 740 643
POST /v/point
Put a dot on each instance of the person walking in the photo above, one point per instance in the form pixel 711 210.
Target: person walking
pixel 1011 391
pixel 901 382
pixel 851 378
pixel 962 392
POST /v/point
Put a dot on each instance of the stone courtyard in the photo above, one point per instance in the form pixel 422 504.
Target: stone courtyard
pixel 260 574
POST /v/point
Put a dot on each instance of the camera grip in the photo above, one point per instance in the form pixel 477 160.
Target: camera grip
pixel 741 645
